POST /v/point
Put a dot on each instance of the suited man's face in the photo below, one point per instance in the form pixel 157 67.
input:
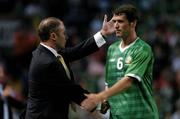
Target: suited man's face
pixel 61 37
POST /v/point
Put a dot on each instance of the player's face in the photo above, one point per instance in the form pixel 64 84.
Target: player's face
pixel 122 26
pixel 61 36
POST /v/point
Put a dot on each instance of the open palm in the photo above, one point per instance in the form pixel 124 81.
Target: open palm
pixel 108 27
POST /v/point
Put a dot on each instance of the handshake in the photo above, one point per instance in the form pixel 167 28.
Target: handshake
pixel 91 102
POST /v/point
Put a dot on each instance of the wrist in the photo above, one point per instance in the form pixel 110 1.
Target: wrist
pixel 103 34
pixel 103 96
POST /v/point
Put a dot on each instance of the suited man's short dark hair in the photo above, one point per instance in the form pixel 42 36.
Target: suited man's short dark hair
pixel 47 26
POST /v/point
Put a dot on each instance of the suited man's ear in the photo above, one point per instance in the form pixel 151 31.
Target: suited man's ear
pixel 53 36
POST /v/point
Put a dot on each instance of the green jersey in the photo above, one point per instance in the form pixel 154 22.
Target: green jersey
pixel 135 60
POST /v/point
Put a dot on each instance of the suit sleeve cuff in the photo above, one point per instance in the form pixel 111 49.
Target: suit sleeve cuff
pixel 99 39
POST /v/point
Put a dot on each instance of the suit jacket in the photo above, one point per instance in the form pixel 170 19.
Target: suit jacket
pixel 50 90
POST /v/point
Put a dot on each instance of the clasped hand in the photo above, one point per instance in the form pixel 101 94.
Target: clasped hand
pixel 91 102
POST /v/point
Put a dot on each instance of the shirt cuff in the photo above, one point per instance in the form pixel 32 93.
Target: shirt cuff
pixel 134 76
pixel 99 39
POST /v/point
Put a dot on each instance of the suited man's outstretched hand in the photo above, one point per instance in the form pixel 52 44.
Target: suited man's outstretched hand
pixel 107 27
pixel 89 103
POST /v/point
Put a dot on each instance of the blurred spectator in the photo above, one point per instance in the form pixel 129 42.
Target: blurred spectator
pixel 24 38
pixel 11 99
pixel 163 86
pixel 176 85
pixel 176 58
pixel 176 114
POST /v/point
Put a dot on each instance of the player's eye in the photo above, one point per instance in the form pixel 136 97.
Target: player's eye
pixel 113 21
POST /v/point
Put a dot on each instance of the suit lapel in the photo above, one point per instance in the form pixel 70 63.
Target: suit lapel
pixel 41 48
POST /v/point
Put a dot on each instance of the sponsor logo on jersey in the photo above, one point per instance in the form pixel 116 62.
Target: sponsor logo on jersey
pixel 112 60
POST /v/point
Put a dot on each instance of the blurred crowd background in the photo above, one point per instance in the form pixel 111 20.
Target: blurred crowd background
pixel 159 25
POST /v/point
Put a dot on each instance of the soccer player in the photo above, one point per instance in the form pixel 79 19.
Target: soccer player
pixel 129 67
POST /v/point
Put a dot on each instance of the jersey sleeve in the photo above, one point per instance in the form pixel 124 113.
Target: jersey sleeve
pixel 139 64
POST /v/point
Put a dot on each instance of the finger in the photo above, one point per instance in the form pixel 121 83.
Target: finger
pixel 82 107
pixel 86 95
pixel 111 20
pixel 105 18
pixel 89 95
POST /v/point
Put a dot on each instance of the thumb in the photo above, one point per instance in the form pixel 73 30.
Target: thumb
pixel 86 95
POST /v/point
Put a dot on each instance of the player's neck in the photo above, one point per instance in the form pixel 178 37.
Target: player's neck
pixel 128 40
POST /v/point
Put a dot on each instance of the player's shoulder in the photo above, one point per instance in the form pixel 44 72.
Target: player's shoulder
pixel 115 44
pixel 143 45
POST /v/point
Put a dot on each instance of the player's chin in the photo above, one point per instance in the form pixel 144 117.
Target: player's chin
pixel 118 35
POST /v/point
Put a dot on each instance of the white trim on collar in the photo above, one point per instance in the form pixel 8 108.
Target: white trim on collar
pixel 123 49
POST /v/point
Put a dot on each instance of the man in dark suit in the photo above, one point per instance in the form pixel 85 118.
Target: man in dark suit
pixel 51 84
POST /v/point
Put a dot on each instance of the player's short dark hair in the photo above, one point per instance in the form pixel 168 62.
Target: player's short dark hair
pixel 129 10
pixel 47 26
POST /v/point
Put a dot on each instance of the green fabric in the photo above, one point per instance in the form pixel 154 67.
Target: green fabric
pixel 137 102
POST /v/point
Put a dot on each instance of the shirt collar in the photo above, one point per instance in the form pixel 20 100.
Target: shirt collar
pixel 51 49
pixel 123 49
